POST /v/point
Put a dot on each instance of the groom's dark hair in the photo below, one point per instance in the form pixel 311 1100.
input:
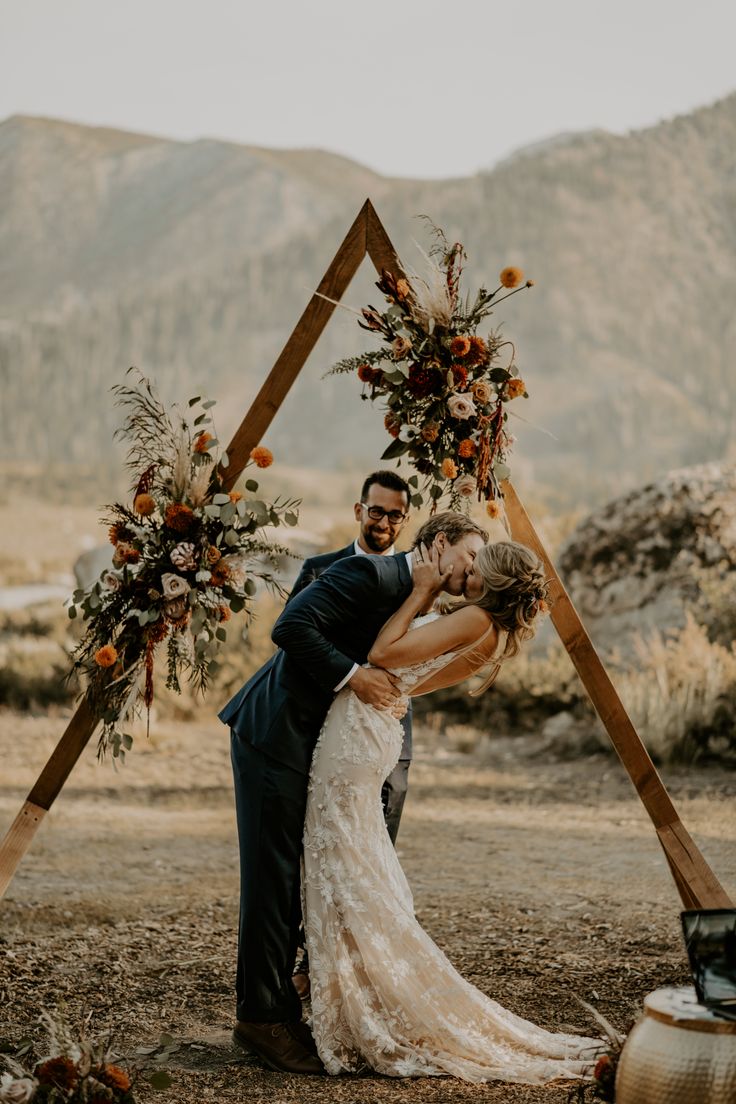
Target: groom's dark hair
pixel 455 526
pixel 388 479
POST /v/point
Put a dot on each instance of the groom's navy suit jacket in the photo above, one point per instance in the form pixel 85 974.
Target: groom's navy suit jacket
pixel 312 568
pixel 321 633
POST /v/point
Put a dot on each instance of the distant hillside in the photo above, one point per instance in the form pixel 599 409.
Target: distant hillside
pixel 194 260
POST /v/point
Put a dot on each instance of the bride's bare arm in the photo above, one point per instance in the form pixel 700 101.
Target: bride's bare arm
pixel 395 646
pixel 458 669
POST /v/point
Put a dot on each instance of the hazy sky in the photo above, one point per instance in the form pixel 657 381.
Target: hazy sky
pixel 408 87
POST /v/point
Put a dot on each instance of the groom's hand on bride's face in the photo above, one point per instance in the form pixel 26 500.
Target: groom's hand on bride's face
pixel 375 687
pixel 427 575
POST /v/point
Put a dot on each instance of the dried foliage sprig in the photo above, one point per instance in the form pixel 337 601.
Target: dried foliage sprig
pixel 78 1069
pixel 444 388
pixel 187 556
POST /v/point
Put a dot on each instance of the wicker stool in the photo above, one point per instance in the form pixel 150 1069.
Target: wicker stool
pixel 678 1053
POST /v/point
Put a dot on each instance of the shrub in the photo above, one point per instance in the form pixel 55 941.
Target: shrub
pixel 682 696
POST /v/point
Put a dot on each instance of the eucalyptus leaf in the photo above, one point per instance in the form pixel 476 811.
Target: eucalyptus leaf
pixel 291 518
pixel 221 499
pixel 211 510
pixel 250 586
pixel 195 400
pixel 417 500
pixel 396 448
pixel 221 634
pixel 224 460
pixel 241 507
pixel 231 538
pixel 201 418
pixel 72 611
pixel 209 404
pixel 237 604
pixel 251 485
pixel 227 513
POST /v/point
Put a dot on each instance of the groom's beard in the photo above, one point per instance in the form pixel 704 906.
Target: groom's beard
pixel 378 540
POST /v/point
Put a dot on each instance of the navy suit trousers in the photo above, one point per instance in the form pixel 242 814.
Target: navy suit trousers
pixel 270 803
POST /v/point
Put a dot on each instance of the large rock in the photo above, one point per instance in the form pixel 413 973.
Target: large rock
pixel 632 566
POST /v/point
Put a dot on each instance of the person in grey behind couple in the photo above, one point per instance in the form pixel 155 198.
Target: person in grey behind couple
pixel 314 736
pixel 381 513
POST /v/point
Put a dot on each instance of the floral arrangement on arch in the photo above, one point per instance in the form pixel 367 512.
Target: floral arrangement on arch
pixel 444 386
pixel 78 1071
pixel 187 555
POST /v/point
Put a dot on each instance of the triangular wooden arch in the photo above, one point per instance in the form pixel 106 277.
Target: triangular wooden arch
pixel 696 882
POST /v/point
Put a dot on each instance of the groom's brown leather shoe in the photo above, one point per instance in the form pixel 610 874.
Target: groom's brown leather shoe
pixel 280 1045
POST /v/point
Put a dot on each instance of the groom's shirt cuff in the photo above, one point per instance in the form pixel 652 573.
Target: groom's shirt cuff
pixel 347 678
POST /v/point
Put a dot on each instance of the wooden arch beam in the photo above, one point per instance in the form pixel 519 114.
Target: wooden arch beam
pixel 696 883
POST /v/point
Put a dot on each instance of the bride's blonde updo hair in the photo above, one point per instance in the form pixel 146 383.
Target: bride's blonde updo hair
pixel 515 594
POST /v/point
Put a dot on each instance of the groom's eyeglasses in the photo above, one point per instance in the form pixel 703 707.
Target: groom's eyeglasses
pixel 375 513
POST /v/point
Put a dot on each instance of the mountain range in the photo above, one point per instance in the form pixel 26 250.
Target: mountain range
pixel 193 261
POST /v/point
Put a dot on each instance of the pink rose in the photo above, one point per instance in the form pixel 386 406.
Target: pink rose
pixel 482 392
pixel 174 586
pixel 400 347
pixel 465 485
pixel 16 1090
pixel 461 406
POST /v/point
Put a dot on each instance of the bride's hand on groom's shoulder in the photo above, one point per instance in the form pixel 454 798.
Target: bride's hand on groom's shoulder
pixel 375 687
pixel 426 574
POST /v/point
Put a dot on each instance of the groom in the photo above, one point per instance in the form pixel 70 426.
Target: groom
pixel 324 635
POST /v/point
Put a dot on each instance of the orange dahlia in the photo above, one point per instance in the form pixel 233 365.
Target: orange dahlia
pixel 144 504
pixel 449 468
pixel 515 388
pixel 261 457
pixel 202 441
pixel 493 509
pixel 478 351
pixel 466 449
pixel 118 532
pixel 392 424
pixel 430 431
pixel 212 555
pixel 235 496
pixel 106 656
pixel 223 613
pixel 125 553
pixel 460 346
pixel 459 375
pixel 62 1073
pixel 178 517
pixel 112 1076
pixel 511 277
pixel 220 574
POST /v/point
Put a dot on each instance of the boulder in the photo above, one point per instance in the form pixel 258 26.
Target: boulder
pixel 633 565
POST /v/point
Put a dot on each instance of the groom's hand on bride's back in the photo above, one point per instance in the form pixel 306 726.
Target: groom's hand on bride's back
pixel 375 687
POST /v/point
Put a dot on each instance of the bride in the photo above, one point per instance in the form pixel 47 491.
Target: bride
pixel 383 995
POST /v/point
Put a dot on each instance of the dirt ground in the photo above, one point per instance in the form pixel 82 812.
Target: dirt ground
pixel 543 881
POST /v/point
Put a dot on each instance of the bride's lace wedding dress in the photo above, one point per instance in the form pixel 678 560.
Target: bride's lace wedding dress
pixel 383 995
